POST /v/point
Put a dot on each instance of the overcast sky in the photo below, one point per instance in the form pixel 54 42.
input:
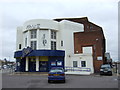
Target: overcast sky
pixel 14 13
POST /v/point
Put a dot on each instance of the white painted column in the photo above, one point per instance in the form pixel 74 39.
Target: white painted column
pixel 28 40
pixel 37 63
pixel 49 39
pixel 26 66
pixel 38 41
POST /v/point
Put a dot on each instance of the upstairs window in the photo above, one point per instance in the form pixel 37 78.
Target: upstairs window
pixel 61 43
pixel 33 34
pixel 25 42
pixel 53 35
pixel 19 46
pixel 53 45
pixel 91 27
pixel 33 44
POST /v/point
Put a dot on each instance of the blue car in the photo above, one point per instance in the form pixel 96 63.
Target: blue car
pixel 56 74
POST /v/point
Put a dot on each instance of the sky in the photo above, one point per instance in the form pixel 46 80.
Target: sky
pixel 14 13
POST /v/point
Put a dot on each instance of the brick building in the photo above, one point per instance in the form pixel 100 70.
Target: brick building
pixel 92 36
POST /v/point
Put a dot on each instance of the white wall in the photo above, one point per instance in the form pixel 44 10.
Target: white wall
pixel 83 57
pixel 19 37
pixel 66 32
pixel 41 45
pixel 44 23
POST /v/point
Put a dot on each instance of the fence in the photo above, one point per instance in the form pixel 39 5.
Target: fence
pixel 77 70
pixel 7 70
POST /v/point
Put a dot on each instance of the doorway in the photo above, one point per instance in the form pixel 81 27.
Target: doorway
pixel 32 64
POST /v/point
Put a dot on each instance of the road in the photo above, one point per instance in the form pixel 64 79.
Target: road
pixel 72 81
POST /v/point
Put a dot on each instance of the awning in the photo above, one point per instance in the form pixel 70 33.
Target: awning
pixel 41 53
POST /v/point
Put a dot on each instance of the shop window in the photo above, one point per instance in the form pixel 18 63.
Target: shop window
pixel 19 46
pixel 33 34
pixel 33 44
pixel 53 45
pixel 74 63
pixel 53 35
pixel 83 63
pixel 43 63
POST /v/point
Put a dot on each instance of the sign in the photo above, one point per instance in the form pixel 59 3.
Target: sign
pixel 44 40
pixel 99 58
pixel 53 63
pixel 59 63
pixel 26 51
pixel 33 26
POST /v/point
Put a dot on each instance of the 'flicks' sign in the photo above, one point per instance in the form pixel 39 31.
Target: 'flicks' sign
pixel 33 26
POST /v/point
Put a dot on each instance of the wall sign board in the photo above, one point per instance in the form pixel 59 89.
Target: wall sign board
pixel 99 58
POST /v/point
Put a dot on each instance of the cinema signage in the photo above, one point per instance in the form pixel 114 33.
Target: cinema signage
pixel 33 26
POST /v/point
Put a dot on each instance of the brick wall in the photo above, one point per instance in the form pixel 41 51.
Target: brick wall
pixel 94 39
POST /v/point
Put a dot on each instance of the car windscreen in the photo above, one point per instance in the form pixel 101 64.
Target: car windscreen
pixel 105 66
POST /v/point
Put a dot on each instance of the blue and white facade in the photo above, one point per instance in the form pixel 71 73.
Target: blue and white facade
pixel 52 45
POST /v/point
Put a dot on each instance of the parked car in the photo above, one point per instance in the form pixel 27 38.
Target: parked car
pixel 56 74
pixel 106 69
pixel 5 66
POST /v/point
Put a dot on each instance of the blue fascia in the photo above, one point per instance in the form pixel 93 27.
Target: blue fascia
pixel 42 53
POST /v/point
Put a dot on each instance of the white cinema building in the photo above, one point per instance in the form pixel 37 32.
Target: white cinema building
pixel 52 43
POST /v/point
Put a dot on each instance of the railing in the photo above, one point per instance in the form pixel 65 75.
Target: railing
pixel 7 70
pixel 78 69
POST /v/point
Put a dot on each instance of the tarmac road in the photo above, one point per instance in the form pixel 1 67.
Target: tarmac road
pixel 72 81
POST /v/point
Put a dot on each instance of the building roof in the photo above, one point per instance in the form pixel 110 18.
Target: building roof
pixel 79 20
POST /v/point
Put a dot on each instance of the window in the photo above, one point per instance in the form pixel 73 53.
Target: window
pixel 53 35
pixel 53 45
pixel 19 46
pixel 83 63
pixel 25 42
pixel 91 27
pixel 61 43
pixel 33 44
pixel 87 26
pixel 53 63
pixel 74 63
pixel 33 34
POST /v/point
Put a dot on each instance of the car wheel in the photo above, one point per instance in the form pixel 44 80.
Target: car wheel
pixel 63 81
pixel 110 74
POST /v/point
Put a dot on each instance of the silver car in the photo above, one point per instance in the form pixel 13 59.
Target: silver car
pixel 106 69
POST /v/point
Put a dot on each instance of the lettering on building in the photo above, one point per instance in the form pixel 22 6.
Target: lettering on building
pixel 33 26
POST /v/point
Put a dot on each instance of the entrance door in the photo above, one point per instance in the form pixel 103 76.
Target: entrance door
pixel 22 65
pixel 32 64
pixel 43 66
